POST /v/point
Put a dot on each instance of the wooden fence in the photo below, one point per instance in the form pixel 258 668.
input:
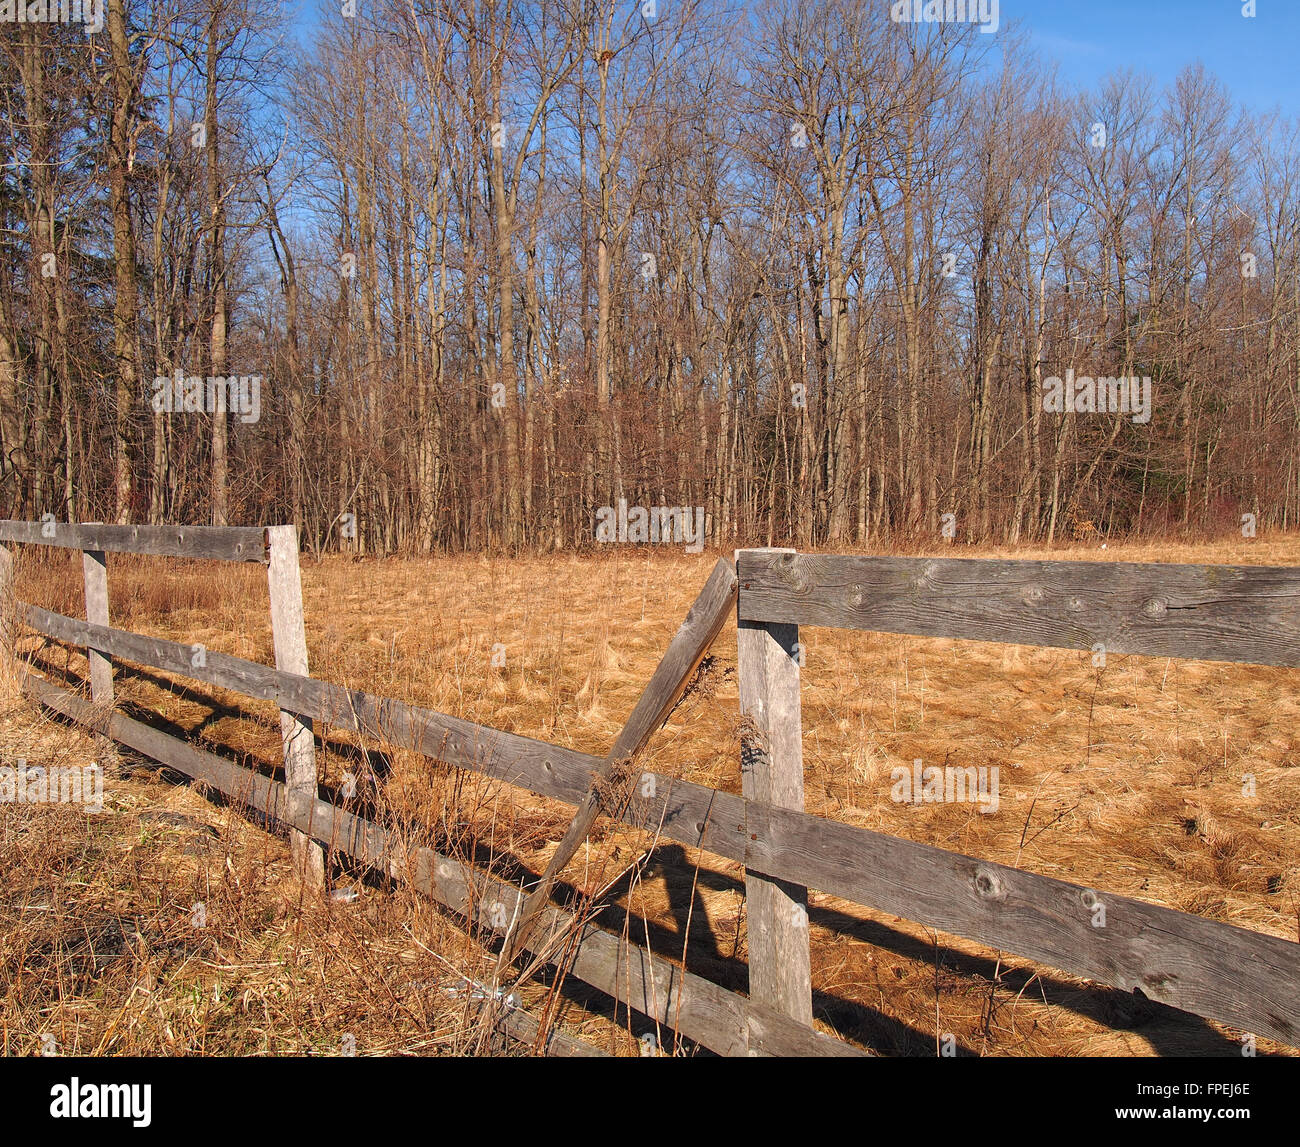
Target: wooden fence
pixel 1219 971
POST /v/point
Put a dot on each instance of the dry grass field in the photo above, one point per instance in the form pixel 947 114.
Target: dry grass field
pixel 1127 778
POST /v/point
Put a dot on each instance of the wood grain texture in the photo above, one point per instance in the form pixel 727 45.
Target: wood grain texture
pixel 1234 975
pixel 702 1011
pixel 289 636
pixel 776 911
pixel 221 543
pixel 704 620
pixel 95 574
pixel 1213 613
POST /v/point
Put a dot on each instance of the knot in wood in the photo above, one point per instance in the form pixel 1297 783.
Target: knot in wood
pixel 787 570
pixel 1075 605
pixel 988 884
pixel 1155 608
pixel 856 596
pixel 1032 594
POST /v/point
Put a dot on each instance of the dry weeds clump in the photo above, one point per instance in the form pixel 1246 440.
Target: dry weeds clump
pixel 1127 777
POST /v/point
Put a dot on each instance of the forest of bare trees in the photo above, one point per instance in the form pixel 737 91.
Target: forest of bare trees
pixel 488 266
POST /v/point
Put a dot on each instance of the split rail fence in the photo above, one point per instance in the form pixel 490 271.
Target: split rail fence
pixel 1251 614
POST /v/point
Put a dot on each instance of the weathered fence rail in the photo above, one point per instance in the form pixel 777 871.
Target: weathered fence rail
pixel 1209 613
pixel 1240 977
pixel 218 543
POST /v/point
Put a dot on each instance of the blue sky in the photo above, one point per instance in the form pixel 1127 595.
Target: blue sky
pixel 1254 57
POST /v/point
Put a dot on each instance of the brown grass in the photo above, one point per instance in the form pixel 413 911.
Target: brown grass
pixel 1126 778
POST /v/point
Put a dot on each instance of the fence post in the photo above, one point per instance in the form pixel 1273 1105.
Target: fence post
pixel 780 966
pixel 94 568
pixel 7 608
pixel 289 636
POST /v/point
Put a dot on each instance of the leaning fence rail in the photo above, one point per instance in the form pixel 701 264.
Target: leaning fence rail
pixel 1234 975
